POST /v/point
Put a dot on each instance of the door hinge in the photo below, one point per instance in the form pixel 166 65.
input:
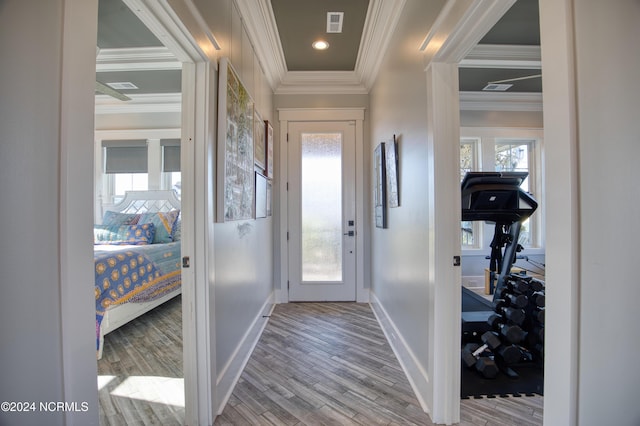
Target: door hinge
pixel 287 235
pixel 287 137
pixel 287 186
pixel 287 285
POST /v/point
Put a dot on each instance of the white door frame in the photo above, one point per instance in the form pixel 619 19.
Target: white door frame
pixel 458 28
pixel 286 115
pixel 170 22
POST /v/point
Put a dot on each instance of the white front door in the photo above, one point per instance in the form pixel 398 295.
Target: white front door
pixel 322 211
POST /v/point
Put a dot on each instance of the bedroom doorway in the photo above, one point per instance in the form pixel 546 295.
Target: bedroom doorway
pixel 158 378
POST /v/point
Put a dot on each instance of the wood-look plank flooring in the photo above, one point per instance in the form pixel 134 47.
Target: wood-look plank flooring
pixel 140 375
pixel 315 364
pixel 330 364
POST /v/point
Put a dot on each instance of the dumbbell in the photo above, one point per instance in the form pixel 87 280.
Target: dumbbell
pixel 510 354
pixel 511 299
pixel 535 336
pixel 471 355
pixel 515 315
pixel 538 298
pixel 513 333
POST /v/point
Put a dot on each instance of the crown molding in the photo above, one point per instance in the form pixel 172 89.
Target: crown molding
pixel 445 43
pixel 380 23
pixel 261 27
pixel 136 59
pixel 503 56
pixel 147 103
pixel 484 101
pixel 317 82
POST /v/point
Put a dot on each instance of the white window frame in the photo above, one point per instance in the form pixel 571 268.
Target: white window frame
pixel 488 138
pixel 476 162
pixel 104 183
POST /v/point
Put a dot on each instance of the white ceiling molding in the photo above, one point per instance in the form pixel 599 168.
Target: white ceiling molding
pixel 503 56
pixel 136 59
pixel 505 101
pixel 260 23
pixel 262 30
pixel 330 82
pixel 444 43
pixel 148 103
pixel 381 21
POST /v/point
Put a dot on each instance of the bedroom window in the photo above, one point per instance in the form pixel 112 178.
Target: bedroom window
pixel 171 175
pixel 469 161
pixel 125 167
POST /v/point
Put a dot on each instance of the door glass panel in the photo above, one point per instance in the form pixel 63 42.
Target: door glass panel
pixel 321 207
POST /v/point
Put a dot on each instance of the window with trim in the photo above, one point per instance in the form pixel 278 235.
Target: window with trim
pixel 171 175
pixel 125 167
pixel 469 161
pixel 517 155
pixel 140 165
pixel 503 154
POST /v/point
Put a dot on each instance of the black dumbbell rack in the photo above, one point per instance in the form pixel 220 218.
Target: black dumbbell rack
pixel 516 319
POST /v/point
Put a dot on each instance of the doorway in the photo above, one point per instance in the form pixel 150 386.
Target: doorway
pixel 322 207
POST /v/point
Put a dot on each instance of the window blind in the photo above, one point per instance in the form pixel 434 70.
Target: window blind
pixel 125 156
pixel 170 155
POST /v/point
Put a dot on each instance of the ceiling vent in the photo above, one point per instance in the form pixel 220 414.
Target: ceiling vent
pixel 493 87
pixel 122 85
pixel 334 22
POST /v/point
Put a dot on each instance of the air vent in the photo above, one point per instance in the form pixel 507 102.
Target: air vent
pixel 492 87
pixel 334 22
pixel 122 85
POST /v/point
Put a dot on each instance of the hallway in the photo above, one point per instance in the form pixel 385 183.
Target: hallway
pixel 330 363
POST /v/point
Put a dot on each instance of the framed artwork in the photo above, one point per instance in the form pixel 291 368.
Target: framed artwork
pixel 380 189
pixel 391 160
pixel 235 176
pixel 269 136
pixel 259 141
pixel 261 196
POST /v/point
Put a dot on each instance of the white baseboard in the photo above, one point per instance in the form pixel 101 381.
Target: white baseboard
pixel 231 372
pixel 416 374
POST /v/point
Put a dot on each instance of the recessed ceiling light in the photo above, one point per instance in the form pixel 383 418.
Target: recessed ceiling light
pixel 320 45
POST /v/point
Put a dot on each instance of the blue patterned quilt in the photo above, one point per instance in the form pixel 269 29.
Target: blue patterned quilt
pixel 134 274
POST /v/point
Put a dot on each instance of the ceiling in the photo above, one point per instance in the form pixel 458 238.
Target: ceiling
pixel 129 52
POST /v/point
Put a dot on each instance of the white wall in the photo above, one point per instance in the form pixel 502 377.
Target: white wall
pixel 590 69
pixel 242 281
pixel 46 128
pixel 400 271
pixel 608 96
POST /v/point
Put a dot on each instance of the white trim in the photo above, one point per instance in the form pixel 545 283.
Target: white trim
pixel 459 27
pixel 413 369
pixel 486 101
pixel 101 135
pixel 136 59
pixel 285 115
pixel 230 373
pixel 176 24
pixel 144 103
pixel 503 56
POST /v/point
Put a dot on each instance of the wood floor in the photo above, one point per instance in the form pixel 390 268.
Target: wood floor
pixel 315 364
pixel 330 364
pixel 140 377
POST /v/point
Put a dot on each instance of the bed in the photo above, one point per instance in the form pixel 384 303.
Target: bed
pixel 136 257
